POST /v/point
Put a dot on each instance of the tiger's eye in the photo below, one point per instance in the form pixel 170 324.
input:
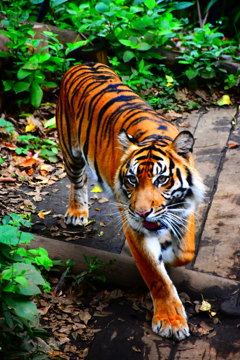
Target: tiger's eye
pixel 132 179
pixel 161 180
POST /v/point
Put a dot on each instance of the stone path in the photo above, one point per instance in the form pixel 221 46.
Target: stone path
pixel 216 130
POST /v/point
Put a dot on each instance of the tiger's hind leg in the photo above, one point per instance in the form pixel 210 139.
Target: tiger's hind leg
pixel 77 212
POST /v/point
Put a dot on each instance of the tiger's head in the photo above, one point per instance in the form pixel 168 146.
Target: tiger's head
pixel 157 184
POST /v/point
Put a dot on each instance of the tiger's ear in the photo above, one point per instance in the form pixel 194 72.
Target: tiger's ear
pixel 183 144
pixel 126 139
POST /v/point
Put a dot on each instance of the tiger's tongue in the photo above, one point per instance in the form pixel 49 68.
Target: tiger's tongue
pixel 151 225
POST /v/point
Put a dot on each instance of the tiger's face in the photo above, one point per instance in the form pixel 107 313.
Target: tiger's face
pixel 158 186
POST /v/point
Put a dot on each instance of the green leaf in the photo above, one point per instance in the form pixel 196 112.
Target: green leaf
pixel 210 4
pixel 22 74
pixel 128 55
pixel 10 287
pixel 31 65
pixel 102 8
pixel 150 4
pixel 74 46
pixel 8 84
pixel 25 237
pixel 6 124
pixel 143 46
pixel 3 54
pixel 191 74
pixel 30 289
pixel 50 84
pixel 36 1
pixel 21 86
pixel 180 5
pixel 132 42
pixel 43 57
pixel 51 123
pixel 55 3
pixel 9 235
pixel 36 94
pixel 25 309
pixel 53 159
pixel 21 280
pixel 2 161
pixel 29 271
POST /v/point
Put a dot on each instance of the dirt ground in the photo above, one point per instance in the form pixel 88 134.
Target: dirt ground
pixel 115 324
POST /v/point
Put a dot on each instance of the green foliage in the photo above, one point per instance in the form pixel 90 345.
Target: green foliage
pixel 95 273
pixel 20 280
pixel 7 125
pixel 48 148
pixel 97 269
pixel 203 50
pixel 133 30
pixel 36 63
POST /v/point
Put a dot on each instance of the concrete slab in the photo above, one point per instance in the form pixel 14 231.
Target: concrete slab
pixel 219 249
pixel 211 134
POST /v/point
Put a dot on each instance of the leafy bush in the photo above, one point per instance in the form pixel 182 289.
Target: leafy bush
pixel 203 50
pixel 132 30
pixel 31 64
pixel 20 280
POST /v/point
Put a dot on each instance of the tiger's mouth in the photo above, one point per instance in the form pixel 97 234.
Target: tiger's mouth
pixel 153 226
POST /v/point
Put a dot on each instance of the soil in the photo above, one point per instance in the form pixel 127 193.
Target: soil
pixel 112 323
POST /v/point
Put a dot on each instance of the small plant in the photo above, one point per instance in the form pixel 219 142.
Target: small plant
pixel 20 280
pixel 7 125
pixel 96 271
pixel 48 148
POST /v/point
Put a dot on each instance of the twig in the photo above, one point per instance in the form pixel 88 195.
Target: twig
pixel 7 179
pixel 205 18
pixel 199 14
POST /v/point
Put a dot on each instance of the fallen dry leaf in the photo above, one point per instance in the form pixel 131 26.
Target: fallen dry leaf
pixel 185 124
pixel 29 162
pixel 89 222
pixel 225 100
pixel 30 127
pixel 137 349
pixel 205 306
pixel 84 316
pixel 42 214
pixel 102 200
pixel 83 353
pixel 233 145
pixel 102 313
pixel 96 189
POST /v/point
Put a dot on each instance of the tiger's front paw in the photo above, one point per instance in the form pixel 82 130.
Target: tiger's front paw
pixel 76 217
pixel 172 322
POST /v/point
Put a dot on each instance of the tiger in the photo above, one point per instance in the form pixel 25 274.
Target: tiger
pixel 147 164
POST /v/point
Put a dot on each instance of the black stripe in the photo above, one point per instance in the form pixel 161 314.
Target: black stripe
pixel 189 176
pixel 178 173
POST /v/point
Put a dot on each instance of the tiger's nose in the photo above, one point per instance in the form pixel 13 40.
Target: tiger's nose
pixel 143 213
